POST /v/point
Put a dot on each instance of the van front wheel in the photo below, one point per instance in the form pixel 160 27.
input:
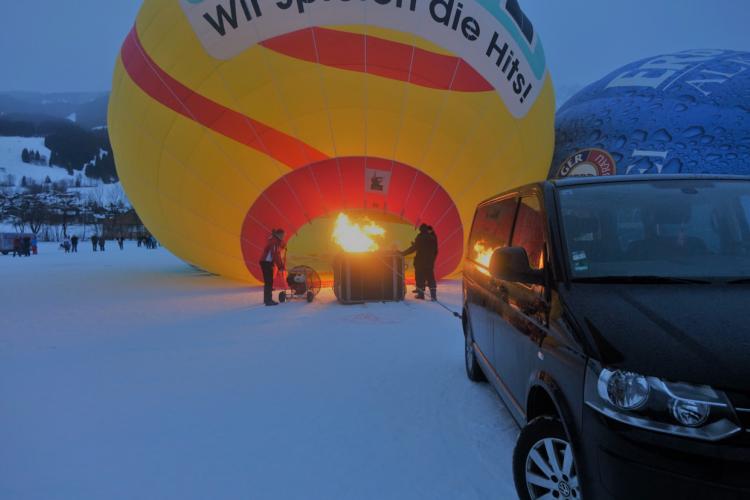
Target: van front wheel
pixel 543 462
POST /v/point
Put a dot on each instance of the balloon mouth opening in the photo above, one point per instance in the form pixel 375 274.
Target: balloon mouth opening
pixel 317 243
pixel 384 198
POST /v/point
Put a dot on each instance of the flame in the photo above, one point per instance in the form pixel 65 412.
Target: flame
pixel 356 238
pixel 484 254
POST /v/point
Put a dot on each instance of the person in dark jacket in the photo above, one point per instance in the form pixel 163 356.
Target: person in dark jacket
pixel 74 244
pixel 27 246
pixel 270 256
pixel 102 241
pixel 426 248
pixel 16 247
pixel 121 242
pixel 94 241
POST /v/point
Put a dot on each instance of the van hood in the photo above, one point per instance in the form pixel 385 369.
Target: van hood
pixel 683 332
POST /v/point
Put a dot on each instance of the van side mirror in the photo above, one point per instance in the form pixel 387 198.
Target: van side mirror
pixel 512 264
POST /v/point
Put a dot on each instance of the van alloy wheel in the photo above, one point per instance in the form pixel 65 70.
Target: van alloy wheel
pixel 550 471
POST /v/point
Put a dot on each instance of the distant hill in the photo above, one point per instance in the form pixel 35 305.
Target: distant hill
pixel 87 109
pixel 17 175
pixel 68 153
pixel 72 127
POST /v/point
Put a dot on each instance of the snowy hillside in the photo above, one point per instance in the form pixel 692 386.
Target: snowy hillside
pixel 13 170
pixel 11 164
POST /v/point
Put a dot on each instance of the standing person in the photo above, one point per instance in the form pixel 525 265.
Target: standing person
pixel 34 243
pixel 120 242
pixel 27 246
pixel 94 241
pixel 271 255
pixel 74 244
pixel 426 248
pixel 66 244
pixel 16 247
pixel 101 243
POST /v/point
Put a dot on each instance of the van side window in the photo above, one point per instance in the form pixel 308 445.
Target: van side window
pixel 492 227
pixel 529 231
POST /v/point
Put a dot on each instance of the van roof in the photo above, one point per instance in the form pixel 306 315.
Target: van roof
pixel 577 181
pixel 571 181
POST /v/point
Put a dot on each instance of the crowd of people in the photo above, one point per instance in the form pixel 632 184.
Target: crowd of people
pixel 99 243
pixel 147 241
pixel 24 246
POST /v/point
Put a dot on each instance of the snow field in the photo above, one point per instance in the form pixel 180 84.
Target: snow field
pixel 130 375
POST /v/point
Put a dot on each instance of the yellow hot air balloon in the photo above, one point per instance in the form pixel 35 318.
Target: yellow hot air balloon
pixel 229 118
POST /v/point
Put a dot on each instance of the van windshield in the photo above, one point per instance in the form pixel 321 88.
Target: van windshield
pixel 661 229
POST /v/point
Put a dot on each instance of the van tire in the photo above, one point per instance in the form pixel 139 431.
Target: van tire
pixel 473 370
pixel 535 436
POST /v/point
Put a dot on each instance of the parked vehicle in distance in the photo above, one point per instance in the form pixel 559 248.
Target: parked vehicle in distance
pixel 611 315
pixel 6 241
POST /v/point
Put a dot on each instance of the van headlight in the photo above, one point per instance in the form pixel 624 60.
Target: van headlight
pixel 625 390
pixel 695 411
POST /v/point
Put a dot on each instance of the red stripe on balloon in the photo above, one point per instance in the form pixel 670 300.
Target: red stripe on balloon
pixel 163 88
pixel 376 56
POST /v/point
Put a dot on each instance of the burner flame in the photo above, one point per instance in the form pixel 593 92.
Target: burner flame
pixel 356 237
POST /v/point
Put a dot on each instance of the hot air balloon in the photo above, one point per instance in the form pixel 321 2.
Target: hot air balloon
pixel 687 112
pixel 229 118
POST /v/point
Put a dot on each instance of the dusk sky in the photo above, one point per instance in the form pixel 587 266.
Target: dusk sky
pixel 50 46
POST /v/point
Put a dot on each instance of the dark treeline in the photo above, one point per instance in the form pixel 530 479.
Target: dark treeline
pixel 50 212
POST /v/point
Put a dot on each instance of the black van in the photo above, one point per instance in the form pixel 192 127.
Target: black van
pixel 612 315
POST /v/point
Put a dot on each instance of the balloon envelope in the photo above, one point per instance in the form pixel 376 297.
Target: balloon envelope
pixel 229 118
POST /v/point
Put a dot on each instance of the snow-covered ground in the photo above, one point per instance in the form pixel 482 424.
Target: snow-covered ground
pixel 129 375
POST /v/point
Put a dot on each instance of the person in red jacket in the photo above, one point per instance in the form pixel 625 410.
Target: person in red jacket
pixel 271 256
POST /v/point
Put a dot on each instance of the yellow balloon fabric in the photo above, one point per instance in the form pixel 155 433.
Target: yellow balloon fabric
pixel 229 118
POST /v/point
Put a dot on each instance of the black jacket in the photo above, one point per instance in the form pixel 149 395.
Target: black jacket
pixel 426 247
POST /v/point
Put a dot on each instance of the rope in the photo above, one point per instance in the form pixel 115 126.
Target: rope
pixel 454 313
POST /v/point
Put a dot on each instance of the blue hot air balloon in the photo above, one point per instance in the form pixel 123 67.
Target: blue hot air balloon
pixel 687 112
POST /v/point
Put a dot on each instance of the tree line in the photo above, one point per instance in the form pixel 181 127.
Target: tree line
pixel 49 210
pixel 33 156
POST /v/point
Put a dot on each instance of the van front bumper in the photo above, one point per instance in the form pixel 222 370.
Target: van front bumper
pixel 624 462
